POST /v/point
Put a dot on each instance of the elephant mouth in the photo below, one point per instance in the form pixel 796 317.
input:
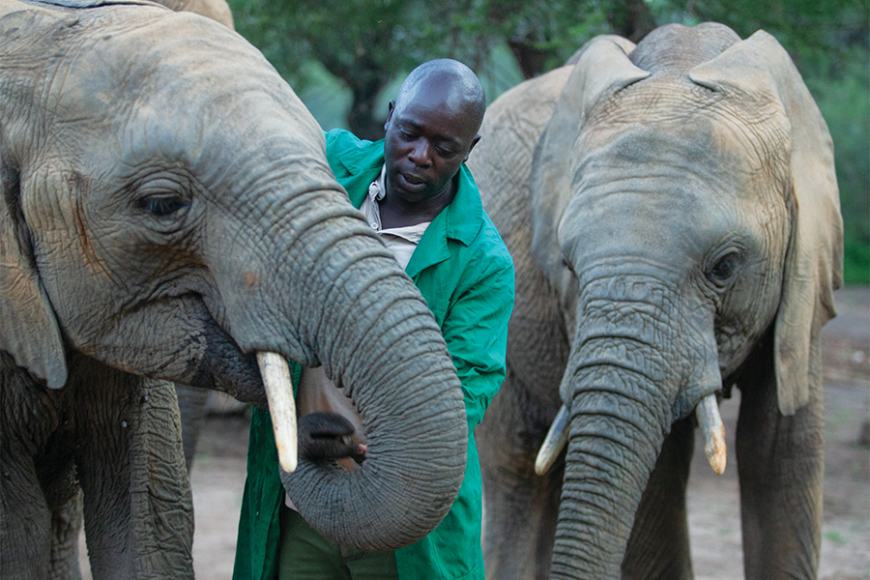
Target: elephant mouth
pixel 707 413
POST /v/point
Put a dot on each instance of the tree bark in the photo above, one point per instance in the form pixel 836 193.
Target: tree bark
pixel 631 19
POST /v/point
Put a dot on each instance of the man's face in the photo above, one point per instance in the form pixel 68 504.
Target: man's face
pixel 429 135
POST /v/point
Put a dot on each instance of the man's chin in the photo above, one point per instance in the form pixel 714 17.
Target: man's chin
pixel 404 190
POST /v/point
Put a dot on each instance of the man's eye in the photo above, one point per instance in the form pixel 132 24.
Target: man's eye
pixel 163 206
pixel 444 152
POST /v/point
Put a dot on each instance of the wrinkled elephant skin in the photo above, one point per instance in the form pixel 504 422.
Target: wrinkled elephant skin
pixel 167 213
pixel 673 214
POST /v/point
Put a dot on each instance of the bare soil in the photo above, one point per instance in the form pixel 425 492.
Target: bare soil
pixel 714 510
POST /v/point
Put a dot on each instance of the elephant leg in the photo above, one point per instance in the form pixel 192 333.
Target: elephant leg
pixel 66 524
pixel 137 504
pixel 191 403
pixel 25 520
pixel 520 507
pixel 57 475
pixel 161 496
pixel 658 548
pixel 780 462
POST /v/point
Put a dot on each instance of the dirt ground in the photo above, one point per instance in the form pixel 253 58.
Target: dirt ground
pixel 714 511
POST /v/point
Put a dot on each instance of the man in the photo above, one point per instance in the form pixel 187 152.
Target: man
pixel 416 192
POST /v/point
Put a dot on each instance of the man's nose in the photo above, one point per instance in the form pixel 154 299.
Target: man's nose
pixel 421 153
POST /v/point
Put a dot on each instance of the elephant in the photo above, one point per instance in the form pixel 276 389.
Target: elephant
pixel 673 214
pixel 192 401
pixel 217 10
pixel 167 213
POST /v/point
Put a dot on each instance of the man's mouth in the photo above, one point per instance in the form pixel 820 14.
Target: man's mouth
pixel 412 179
pixel 410 182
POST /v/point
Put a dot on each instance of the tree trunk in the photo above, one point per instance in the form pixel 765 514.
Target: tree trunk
pixel 361 117
pixel 631 19
pixel 531 60
pixel 365 79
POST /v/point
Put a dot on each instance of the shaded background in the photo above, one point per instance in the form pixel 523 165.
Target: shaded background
pixel 345 58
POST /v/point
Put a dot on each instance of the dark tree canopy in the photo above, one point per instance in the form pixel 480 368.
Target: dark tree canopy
pixel 367 44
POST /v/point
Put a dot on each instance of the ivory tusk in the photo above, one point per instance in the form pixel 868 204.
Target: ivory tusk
pixel 707 413
pixel 282 406
pixel 553 444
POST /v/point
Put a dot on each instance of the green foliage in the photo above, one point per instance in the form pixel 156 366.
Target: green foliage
pixel 844 100
pixel 346 57
pixel 542 35
pixel 368 43
pixel 364 44
pixel 836 537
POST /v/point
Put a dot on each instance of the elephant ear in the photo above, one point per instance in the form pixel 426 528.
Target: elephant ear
pixel 814 259
pixel 601 68
pixel 29 329
pixel 624 43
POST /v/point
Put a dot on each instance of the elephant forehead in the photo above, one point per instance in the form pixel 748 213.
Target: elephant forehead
pixel 708 149
pixel 655 177
pixel 647 157
pixel 737 122
pixel 180 89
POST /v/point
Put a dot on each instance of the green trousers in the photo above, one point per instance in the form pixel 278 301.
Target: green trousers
pixel 307 555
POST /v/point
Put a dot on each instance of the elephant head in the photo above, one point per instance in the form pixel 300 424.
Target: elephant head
pixel 167 210
pixel 685 213
pixel 687 203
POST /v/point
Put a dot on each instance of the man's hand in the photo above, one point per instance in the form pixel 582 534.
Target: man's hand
pixel 327 435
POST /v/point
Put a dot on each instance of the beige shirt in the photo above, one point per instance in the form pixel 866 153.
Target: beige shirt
pixel 315 391
pixel 400 241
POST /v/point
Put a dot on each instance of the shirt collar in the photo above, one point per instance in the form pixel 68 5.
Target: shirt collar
pixel 377 191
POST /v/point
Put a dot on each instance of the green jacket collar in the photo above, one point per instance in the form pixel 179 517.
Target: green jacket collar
pixel 460 221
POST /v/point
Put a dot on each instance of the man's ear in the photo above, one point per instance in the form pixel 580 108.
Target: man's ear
pixel 390 108
pixel 470 147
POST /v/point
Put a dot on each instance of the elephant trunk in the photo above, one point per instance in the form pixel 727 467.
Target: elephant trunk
pixel 299 273
pixel 621 385
pixel 322 289
pixel 381 345
pixel 618 424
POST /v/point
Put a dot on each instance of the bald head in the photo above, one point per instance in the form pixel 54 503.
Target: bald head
pixel 431 129
pixel 463 87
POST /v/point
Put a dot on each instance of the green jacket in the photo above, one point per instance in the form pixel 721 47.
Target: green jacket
pixel 465 273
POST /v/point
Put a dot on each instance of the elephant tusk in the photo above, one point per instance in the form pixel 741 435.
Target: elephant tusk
pixel 553 444
pixel 282 406
pixel 707 413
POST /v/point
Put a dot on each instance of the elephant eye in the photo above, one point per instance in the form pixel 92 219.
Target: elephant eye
pixel 163 206
pixel 724 268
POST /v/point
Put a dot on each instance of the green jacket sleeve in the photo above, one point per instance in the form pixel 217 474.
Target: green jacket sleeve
pixel 475 330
